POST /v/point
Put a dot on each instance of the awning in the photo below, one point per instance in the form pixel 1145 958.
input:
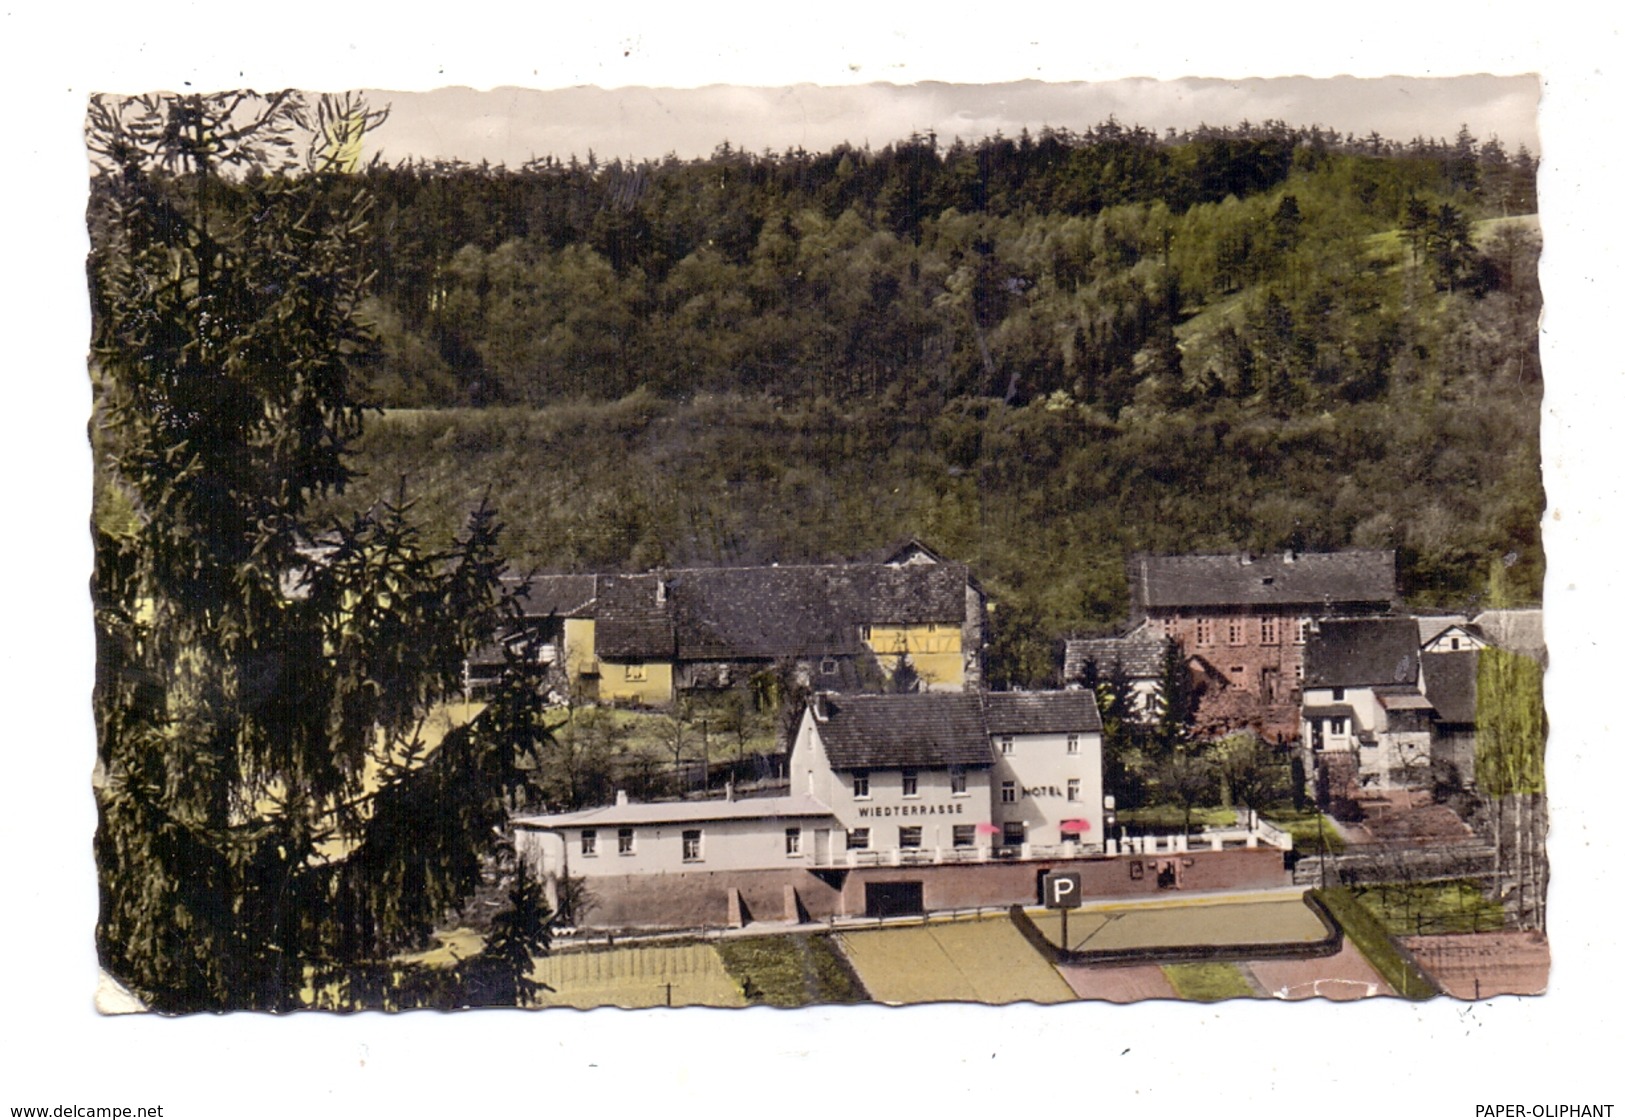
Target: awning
pixel 1075 826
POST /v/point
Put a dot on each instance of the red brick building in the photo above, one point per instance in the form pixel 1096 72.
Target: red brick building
pixel 1242 620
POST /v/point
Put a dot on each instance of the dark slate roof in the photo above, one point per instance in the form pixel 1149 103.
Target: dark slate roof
pixel 1451 682
pixel 1362 652
pixel 632 622
pixel 1037 713
pixel 1238 579
pixel 1140 653
pixel 720 614
pixel 566 596
pixel 918 729
pixel 943 728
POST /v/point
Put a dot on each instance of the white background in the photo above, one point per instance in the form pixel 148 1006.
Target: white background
pixel 1082 1060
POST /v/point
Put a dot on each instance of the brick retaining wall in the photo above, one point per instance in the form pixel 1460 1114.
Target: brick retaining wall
pixel 695 899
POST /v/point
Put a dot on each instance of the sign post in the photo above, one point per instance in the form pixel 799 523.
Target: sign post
pixel 1063 891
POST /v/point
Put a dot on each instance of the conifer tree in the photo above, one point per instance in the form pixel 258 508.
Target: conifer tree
pixel 275 815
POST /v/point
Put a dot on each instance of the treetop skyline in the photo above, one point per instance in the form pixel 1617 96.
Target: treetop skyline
pixel 509 125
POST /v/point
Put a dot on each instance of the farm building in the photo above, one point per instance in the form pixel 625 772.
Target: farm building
pixel 645 638
pixel 1242 620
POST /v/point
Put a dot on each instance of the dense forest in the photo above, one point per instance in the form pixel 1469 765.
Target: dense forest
pixel 1039 353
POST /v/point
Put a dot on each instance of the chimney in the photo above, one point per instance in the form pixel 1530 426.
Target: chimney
pixel 1289 557
pixel 620 797
pixel 820 708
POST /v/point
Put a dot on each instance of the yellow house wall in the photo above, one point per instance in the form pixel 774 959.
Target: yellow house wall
pixel 935 651
pixel 580 648
pixel 654 688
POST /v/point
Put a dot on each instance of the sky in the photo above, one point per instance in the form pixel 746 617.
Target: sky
pixel 510 125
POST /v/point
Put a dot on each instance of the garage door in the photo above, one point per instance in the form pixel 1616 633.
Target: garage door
pixel 884 900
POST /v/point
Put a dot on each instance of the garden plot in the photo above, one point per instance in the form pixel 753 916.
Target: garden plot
pixel 642 976
pixel 981 960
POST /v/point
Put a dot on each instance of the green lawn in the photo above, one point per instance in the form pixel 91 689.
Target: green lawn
pixel 792 970
pixel 1208 982
pixel 1172 816
pixel 1457 906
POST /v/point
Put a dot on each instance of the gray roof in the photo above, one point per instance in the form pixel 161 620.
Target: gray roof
pixel 568 596
pixel 1140 653
pixel 720 614
pixel 679 812
pixel 943 729
pixel 1431 626
pixel 1451 683
pixel 915 729
pixel 1243 580
pixel 1520 630
pixel 632 621
pixel 1361 652
pixel 1038 713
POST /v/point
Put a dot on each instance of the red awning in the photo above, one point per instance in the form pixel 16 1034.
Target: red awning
pixel 1075 826
pixel 989 829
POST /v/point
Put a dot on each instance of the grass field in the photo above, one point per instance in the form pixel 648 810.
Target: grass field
pixel 791 970
pixel 982 960
pixel 1171 925
pixel 638 976
pixel 1456 906
pixel 1207 982
pixel 1172 816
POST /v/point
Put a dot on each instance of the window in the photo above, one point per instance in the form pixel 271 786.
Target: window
pixel 1015 832
pixel 828 666
pixel 1007 745
pixel 1074 787
pixel 860 783
pixel 857 839
pixel 589 841
pixel 691 845
pixel 909 836
pixel 637 672
pixel 1007 793
pixel 864 633
pixel 1237 630
pixel 1204 631
pixel 1339 726
pixel 1071 744
pixel 956 781
pixel 1339 693
pixel 911 783
pixel 1455 643
pixel 1302 633
pixel 623 842
pixel 1269 631
pixel 792 841
pixel 964 836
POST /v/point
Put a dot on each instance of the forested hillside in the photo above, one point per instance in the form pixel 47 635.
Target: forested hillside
pixel 1039 354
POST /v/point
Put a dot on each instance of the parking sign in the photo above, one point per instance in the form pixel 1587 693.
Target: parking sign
pixel 1063 890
